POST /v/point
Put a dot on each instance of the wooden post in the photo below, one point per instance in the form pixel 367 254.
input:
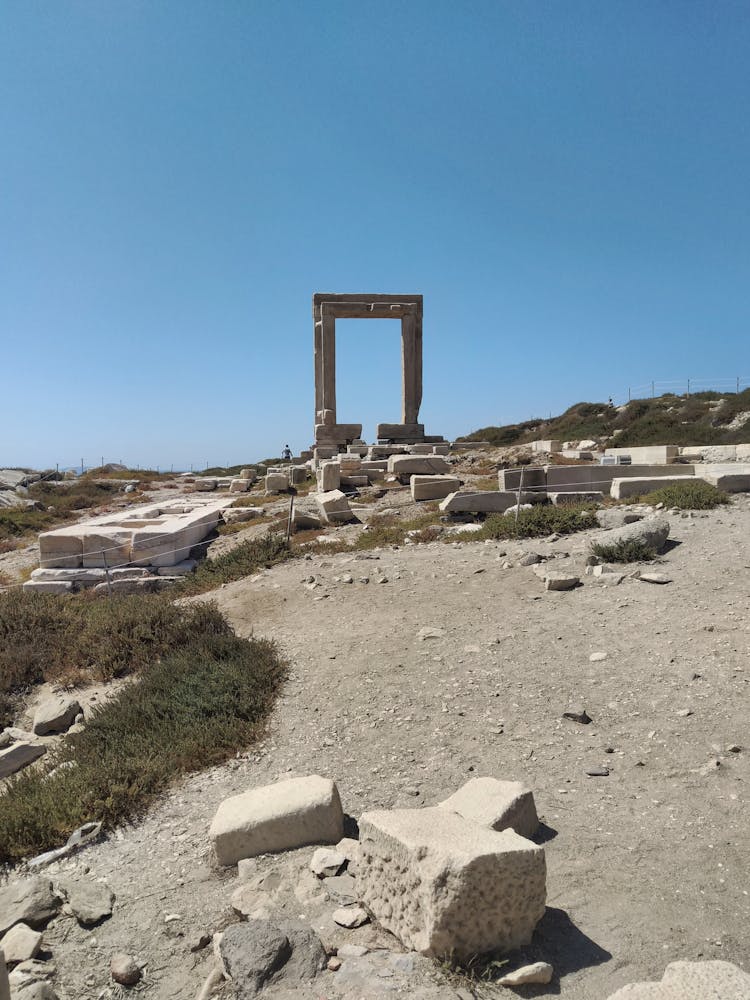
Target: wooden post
pixel 518 498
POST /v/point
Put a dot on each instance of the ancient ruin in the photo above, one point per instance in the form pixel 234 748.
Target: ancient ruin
pixel 327 308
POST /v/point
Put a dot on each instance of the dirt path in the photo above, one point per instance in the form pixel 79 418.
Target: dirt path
pixel 645 866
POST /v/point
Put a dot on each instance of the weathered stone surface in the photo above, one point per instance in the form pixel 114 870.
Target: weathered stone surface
pixel 639 486
pixel 433 487
pixel 729 478
pixel 548 445
pixel 616 517
pixel 49 586
pixel 538 972
pixel 479 502
pixel 89 902
pixel 276 482
pixel 259 952
pixel 60 548
pixel 660 454
pixel 19 755
pixel 31 901
pixel 651 531
pixel 587 496
pixel 21 943
pixel 83 576
pixel 350 916
pixel 334 507
pixel 303 520
pixel 326 862
pixel 55 714
pixel 277 817
pixel 420 465
pixel 558 580
pixel 714 980
pixel 444 885
pixel 239 485
pixel 124 969
pixel 496 805
pixel 329 476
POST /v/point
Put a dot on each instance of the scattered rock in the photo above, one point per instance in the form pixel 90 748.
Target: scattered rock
pixel 342 888
pixel 350 916
pixel 529 559
pixel 539 972
pixel 334 963
pixel 654 578
pixel 326 862
pixel 577 713
pixel 597 772
pixel 598 656
pixel 684 712
pixel 557 580
pixel 20 943
pixel 19 755
pixel 32 901
pixel 55 715
pixel 124 969
pixel 692 981
pixel 651 531
pixel 90 902
pixel 430 633
pixel 260 951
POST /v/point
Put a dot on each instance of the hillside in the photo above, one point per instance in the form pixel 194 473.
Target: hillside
pixel 701 418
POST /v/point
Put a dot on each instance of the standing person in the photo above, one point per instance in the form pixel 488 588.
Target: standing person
pixel 287 453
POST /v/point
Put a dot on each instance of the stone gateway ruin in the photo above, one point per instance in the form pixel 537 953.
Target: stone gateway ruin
pixel 327 308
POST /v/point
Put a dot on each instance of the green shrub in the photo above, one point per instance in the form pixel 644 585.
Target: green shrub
pixel 623 551
pixel 195 708
pixel 540 520
pixel 698 495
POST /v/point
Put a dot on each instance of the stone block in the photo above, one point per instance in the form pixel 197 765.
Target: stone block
pixel 324 451
pixel 378 451
pixel 547 445
pixel 19 755
pixel 470 445
pixel 441 449
pixel 31 901
pixel 661 454
pixel 534 479
pixel 639 486
pixel 731 478
pixel 105 546
pixel 334 507
pixel 184 568
pixel 239 485
pixel 298 474
pixel 406 433
pixel 248 474
pixel 577 454
pixel 60 548
pixel 483 501
pixel 82 576
pixel 277 817
pixel 329 476
pixel 433 487
pixel 417 465
pixel 557 580
pixel 445 886
pixel 692 981
pixel 204 484
pixel 276 482
pixel 743 453
pixel 421 449
pixel 55 715
pixel 496 805
pixel 337 434
pixel 357 482
pixel 49 586
pixel 302 520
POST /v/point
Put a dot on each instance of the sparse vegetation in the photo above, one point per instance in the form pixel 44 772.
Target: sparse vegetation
pixel 698 495
pixel 623 551
pixel 701 418
pixel 540 520
pixel 44 637
pixel 247 558
pixel 193 709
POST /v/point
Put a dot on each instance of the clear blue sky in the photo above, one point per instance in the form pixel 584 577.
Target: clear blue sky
pixel 566 183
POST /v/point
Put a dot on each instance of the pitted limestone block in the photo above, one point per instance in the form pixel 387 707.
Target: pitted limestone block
pixel 239 485
pixel 485 501
pixel 105 546
pixel 496 805
pixel 433 487
pixel 638 486
pixel 444 885
pixel 277 817
pixel 329 476
pixel 714 980
pixel 651 531
pixel 334 507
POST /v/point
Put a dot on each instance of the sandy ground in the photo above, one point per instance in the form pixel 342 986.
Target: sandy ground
pixel 645 866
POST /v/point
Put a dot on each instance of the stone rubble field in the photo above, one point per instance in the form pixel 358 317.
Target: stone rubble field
pixel 621 703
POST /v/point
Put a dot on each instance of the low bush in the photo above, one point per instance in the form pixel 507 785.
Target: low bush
pixel 624 551
pixel 243 560
pixel 44 637
pixel 540 520
pixel 193 709
pixel 698 495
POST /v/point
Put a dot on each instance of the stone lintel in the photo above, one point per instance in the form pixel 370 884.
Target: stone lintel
pixel 410 433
